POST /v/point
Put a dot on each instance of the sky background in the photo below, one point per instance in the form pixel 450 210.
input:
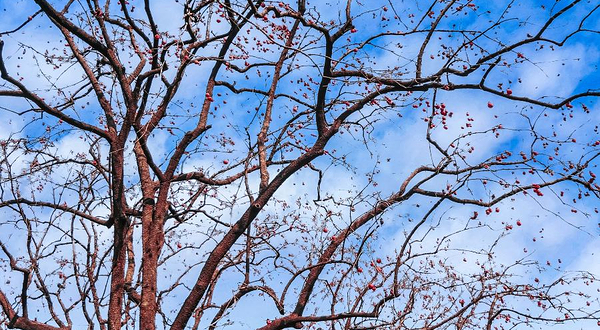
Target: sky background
pixel 393 146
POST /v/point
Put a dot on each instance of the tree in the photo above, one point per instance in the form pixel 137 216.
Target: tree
pixel 343 165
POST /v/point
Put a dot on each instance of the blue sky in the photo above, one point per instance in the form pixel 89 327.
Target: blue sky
pixel 380 149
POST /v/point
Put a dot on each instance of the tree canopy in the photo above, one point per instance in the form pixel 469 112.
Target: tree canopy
pixel 213 164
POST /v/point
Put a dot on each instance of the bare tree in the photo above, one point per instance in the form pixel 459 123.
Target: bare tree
pixel 176 164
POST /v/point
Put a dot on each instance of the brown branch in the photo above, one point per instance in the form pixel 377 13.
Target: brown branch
pixel 62 207
pixel 26 93
pixel 19 322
